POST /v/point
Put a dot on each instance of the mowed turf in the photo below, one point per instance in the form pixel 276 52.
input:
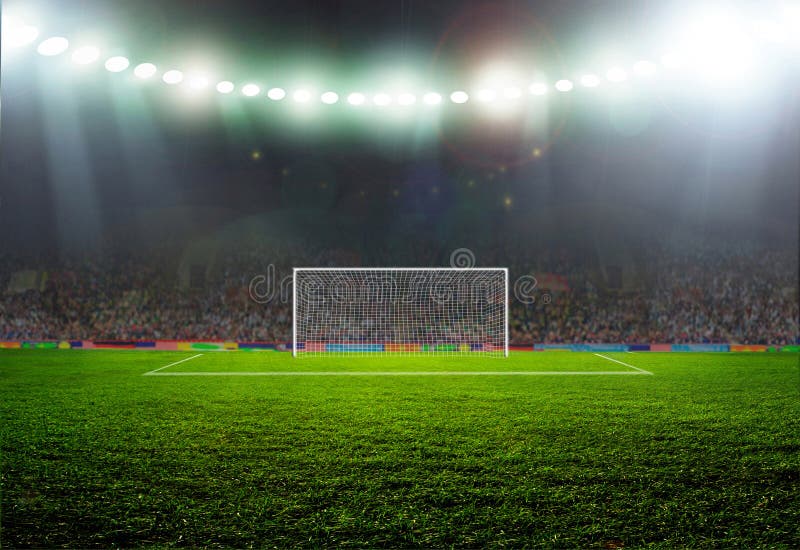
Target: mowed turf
pixel 705 452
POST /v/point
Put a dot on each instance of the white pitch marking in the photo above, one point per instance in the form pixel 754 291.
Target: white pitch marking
pixel 403 373
pixel 623 363
pixel 172 364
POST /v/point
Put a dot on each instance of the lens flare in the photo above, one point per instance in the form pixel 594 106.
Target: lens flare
pixel 487 95
pixel 432 98
pixel 405 99
pixel 301 96
pixel 538 88
pixel 645 68
pixel 356 99
pixel 198 83
pixel 589 80
pixel 381 100
pixel 616 74
pixel 85 55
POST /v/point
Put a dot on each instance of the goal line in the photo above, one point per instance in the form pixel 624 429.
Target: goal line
pixel 631 371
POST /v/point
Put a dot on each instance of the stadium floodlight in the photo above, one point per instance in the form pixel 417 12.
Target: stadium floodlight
pixel 432 98
pixel 564 85
pixel 173 77
pixel 117 64
pixel 225 87
pixel 381 99
pixel 329 98
pixel 356 99
pixel 301 96
pixel 251 90
pixel 85 55
pixel 459 97
pixel 538 88
pixel 487 95
pixel 644 68
pixel 145 70
pixel 716 43
pixel 276 94
pixel 405 311
pixel 22 37
pixel 53 46
pixel 16 34
pixel 590 80
pixel 498 80
pixel 616 74
pixel 405 99
pixel 10 25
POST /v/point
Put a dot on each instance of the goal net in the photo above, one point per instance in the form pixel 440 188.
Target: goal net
pixel 443 311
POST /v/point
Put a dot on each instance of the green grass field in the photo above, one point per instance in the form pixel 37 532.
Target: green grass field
pixel 705 452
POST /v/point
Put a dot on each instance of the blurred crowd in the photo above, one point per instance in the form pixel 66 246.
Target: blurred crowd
pixel 702 296
pixel 672 292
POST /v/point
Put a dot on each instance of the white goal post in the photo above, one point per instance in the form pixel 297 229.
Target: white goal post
pixel 442 311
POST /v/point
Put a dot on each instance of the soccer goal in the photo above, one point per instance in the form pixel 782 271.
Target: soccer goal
pixel 442 311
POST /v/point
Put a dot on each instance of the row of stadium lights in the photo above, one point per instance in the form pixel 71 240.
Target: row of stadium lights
pixel 19 34
pixel 88 54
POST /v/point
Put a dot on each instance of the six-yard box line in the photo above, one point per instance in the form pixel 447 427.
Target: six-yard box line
pixel 635 372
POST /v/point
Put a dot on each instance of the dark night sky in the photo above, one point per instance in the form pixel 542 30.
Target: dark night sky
pixel 85 146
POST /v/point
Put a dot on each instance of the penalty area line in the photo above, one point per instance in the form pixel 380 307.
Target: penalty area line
pixel 171 365
pixel 403 373
pixel 623 363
